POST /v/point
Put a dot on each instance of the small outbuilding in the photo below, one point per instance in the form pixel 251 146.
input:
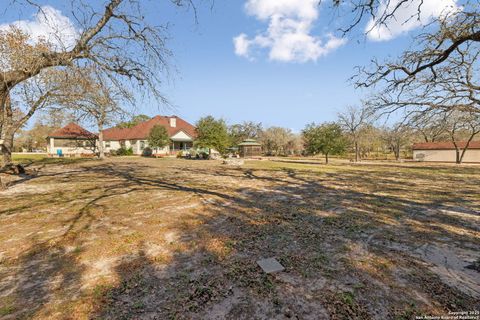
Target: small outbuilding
pixel 445 151
pixel 71 140
pixel 249 148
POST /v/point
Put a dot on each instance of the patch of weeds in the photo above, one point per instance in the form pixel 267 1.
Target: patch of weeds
pixel 320 259
pixel 408 312
pixel 7 308
pixel 343 305
pixel 204 290
pixel 449 297
pixel 353 229
pixel 101 291
pixel 268 284
pixel 329 273
pixel 330 221
pixel 200 296
pixel 208 259
pixel 344 248
pixel 138 305
pixel 310 267
pixel 358 286
pixel 249 275
pixel 348 297
pixel 230 244
pixel 133 238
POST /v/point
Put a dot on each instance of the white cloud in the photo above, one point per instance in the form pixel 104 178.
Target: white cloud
pixel 242 45
pixel 406 18
pixel 288 37
pixel 49 24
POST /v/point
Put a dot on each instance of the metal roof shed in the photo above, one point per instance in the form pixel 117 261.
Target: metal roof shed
pixel 249 148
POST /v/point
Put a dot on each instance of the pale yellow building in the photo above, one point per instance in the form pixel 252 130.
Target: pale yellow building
pixel 445 151
pixel 71 141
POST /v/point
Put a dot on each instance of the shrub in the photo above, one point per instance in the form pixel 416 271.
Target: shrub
pixel 124 151
pixel 193 153
pixel 147 152
pixel 180 154
pixel 202 155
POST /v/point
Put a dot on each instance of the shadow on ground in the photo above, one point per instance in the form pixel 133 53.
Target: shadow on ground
pixel 355 244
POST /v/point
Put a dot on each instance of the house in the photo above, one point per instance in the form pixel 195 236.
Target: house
pixel 180 131
pixel 445 151
pixel 71 140
pixel 249 148
pixel 75 140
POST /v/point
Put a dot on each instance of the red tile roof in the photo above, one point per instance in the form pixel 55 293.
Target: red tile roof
pixel 445 145
pixel 72 131
pixel 141 130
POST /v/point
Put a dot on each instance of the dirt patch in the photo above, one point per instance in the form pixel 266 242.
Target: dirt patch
pixel 168 238
pixel 452 265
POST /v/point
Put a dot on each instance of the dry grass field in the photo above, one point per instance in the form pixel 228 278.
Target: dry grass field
pixel 135 238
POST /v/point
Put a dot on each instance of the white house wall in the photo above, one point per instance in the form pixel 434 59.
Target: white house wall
pixel 135 145
pixel 77 151
pixel 114 145
pixel 472 155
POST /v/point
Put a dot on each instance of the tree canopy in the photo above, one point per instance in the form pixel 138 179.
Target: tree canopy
pixel 212 134
pixel 136 119
pixel 244 130
pixel 158 137
pixel 277 140
pixel 115 38
pixel 327 138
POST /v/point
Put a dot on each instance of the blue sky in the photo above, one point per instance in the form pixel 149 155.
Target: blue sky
pixel 213 80
pixel 209 78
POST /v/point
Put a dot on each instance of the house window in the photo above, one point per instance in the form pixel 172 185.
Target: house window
pixel 107 144
pixel 142 145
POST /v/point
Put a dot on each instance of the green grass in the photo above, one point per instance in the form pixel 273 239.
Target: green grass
pixel 19 158
pixel 42 159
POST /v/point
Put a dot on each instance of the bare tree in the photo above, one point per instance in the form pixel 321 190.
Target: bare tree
pixel 397 137
pixel 456 31
pixel 296 145
pixel 276 140
pixel 431 126
pixel 462 128
pixel 370 141
pixel 426 100
pixel 93 98
pixel 27 98
pixel 116 39
pixel 352 120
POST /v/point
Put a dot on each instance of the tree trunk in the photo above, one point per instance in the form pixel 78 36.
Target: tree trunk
pixel 457 156
pixel 101 150
pixel 7 146
pixel 6 128
pixel 457 149
pixel 326 158
pixel 466 147
pixel 396 151
pixel 357 152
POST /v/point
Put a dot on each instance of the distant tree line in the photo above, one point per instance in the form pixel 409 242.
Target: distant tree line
pixel 358 133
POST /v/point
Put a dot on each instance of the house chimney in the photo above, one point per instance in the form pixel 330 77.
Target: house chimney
pixel 173 122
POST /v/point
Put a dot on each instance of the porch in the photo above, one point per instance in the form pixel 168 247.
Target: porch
pixel 177 146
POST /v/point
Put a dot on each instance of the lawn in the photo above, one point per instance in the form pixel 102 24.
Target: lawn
pixel 136 238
